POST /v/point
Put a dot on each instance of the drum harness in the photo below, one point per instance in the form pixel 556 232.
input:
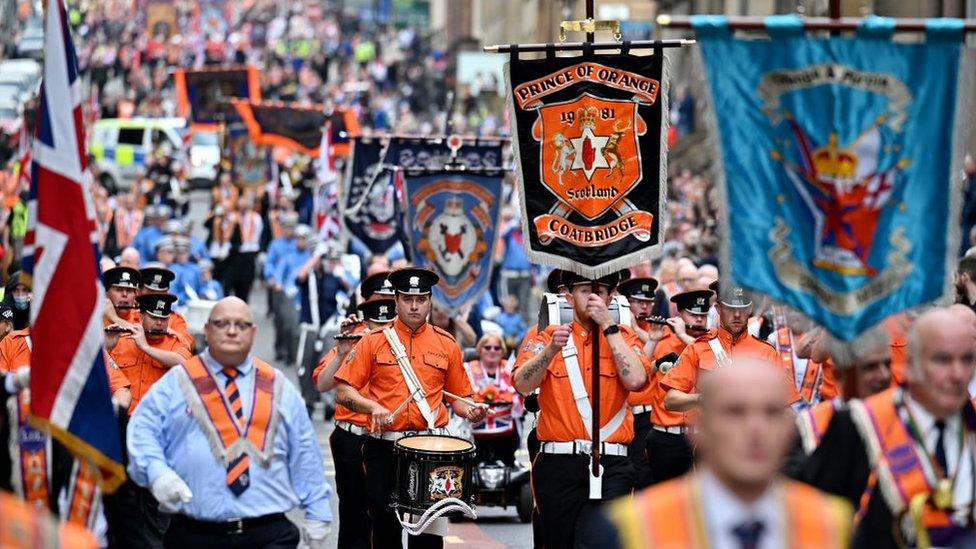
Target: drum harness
pixel 446 505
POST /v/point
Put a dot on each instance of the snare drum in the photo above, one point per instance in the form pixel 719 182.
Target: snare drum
pixel 430 468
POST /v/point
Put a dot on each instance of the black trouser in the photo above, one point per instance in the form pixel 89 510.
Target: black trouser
pixel 134 518
pixel 238 274
pixel 380 484
pixel 669 455
pixel 273 533
pixel 132 513
pixel 561 484
pixel 637 450
pixel 347 454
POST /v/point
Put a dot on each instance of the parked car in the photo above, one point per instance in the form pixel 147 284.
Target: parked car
pixel 121 146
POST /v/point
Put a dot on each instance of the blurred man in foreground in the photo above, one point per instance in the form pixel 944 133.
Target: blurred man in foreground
pixel 735 498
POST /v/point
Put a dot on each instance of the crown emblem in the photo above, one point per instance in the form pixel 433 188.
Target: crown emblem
pixel 415 281
pixel 737 292
pixel 125 276
pixel 454 206
pixel 160 304
pixel 587 117
pixel 700 301
pixel 157 279
pixel 645 288
pixel 384 309
pixel 834 163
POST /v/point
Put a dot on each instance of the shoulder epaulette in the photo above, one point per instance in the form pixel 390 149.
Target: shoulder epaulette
pixel 443 332
pixel 708 336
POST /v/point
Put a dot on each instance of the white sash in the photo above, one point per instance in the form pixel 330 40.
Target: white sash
pixel 413 382
pixel 582 398
pixel 721 356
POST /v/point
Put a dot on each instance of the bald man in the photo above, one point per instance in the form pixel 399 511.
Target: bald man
pixel 735 497
pixel 906 455
pixel 224 443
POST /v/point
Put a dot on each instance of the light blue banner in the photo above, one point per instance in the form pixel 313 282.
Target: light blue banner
pixel 837 156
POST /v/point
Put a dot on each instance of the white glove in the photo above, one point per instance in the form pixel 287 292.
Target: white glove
pixel 171 492
pixel 315 533
pixel 22 378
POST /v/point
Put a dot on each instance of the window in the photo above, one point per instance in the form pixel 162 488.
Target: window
pixel 130 136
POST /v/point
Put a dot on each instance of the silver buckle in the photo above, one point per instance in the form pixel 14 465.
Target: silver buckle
pixel 584 448
pixel 237 524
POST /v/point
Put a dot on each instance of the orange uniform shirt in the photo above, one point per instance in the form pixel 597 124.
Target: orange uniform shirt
pixel 673 344
pixel 141 369
pixel 659 414
pixel 371 368
pixel 15 351
pixel 559 419
pixel 341 413
pixel 699 356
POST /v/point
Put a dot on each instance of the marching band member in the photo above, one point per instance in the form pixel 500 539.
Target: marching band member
pixel 156 281
pixel 351 428
pixel 640 294
pixel 906 456
pixel 372 381
pixel 668 451
pixel 721 348
pixel 243 456
pixel 559 363
pixel 121 288
pixel 735 498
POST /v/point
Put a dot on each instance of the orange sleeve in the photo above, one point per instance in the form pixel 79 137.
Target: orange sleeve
pixel 829 389
pixel 20 354
pixel 457 380
pixel 531 347
pixel 5 352
pixel 355 368
pixel 634 342
pixel 323 362
pixel 181 349
pixel 684 375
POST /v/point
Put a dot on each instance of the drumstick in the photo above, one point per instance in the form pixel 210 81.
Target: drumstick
pixel 398 409
pixel 467 401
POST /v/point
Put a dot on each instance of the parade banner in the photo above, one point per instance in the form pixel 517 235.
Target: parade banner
pixel 453 230
pixel 591 142
pixel 162 19
pixel 369 204
pixel 250 165
pixel 416 152
pixel 204 95
pixel 839 165
pixel 286 125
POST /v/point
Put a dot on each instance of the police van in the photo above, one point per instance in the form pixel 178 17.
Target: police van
pixel 120 147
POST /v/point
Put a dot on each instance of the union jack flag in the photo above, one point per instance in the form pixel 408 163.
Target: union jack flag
pixel 69 384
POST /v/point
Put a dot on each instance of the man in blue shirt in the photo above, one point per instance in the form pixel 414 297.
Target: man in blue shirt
pixel 152 231
pixel 223 442
pixel 515 270
pixel 277 250
pixel 286 285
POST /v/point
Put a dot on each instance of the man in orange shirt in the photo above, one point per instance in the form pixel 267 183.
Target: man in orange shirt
pixel 559 363
pixel 640 295
pixel 150 350
pixel 121 288
pixel 156 281
pixel 668 452
pixel 720 348
pixel 371 381
pixel 351 428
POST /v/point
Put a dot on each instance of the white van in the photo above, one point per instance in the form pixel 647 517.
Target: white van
pixel 120 147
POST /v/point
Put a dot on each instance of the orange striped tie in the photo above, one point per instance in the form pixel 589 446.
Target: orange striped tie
pixel 237 471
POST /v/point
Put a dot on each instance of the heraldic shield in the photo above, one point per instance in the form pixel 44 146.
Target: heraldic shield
pixel 591 146
pixel 453 231
pixel 590 158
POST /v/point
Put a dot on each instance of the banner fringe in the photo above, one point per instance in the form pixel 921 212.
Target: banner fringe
pixel 624 261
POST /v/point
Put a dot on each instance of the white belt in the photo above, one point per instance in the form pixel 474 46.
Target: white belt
pixel 583 447
pixel 673 430
pixel 394 436
pixel 349 427
pixel 643 409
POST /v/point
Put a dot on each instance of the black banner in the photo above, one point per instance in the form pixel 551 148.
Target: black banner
pixel 369 206
pixel 592 146
pixel 204 95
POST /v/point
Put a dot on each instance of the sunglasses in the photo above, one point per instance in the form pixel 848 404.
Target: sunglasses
pixel 492 348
